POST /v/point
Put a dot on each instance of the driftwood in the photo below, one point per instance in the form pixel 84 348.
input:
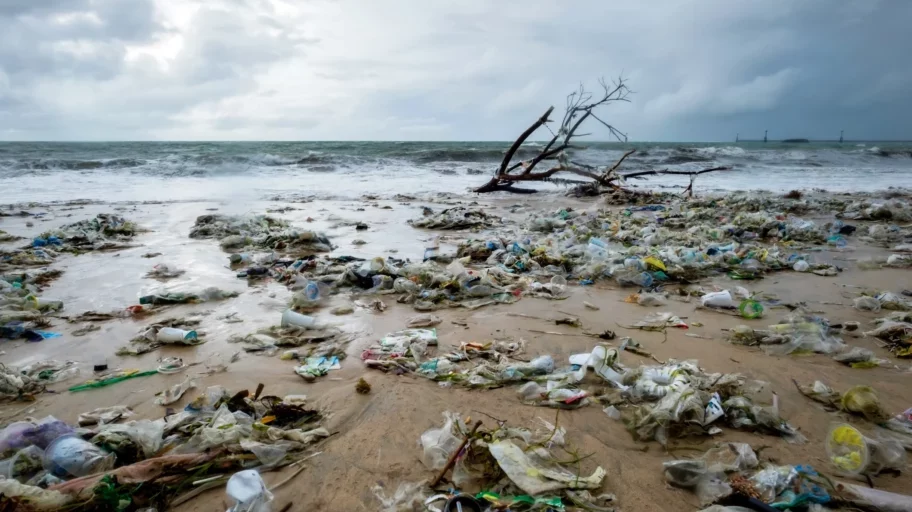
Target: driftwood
pixel 580 107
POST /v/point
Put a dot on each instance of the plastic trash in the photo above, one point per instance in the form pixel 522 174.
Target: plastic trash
pixel 25 463
pixel 866 304
pixel 104 415
pixel 291 318
pixel 536 478
pixel 851 451
pixel 750 309
pixel 70 455
pixel 721 299
pixel 175 392
pixel 438 444
pixel 801 266
pixel 714 409
pixel 432 250
pixel 249 492
pixel 172 335
pixel 862 400
pixel 651 300
pixel 46 431
pixel 13 436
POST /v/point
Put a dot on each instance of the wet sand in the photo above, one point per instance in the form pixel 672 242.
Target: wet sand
pixel 375 439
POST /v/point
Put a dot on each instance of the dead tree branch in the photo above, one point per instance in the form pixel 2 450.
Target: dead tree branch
pixel 580 107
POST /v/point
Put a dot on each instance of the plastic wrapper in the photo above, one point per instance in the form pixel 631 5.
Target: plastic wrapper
pixel 772 480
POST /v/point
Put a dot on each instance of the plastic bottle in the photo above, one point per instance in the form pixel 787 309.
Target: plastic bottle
pixel 634 264
pixel 292 318
pixel 432 250
pixel 642 279
pixel 234 259
pixel 801 266
pixel 172 335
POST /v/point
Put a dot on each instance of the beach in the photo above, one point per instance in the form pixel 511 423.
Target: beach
pixel 375 435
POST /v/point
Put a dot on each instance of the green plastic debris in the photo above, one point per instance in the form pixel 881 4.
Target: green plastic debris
pixel 750 309
pixel 510 501
pixel 92 384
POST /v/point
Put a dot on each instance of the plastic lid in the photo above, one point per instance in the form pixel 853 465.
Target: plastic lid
pixel 847 449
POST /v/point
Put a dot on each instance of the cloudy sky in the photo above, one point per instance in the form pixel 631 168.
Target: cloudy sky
pixel 440 70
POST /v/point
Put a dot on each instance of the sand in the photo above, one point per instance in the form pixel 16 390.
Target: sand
pixel 376 435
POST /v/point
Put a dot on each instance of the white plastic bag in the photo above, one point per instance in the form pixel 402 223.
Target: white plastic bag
pixel 249 492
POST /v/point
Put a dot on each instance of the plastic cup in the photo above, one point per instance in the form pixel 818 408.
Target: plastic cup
pixel 847 449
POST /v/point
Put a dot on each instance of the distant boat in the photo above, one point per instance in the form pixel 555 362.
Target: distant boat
pixel 796 141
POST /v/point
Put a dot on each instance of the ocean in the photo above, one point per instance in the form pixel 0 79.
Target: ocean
pixel 143 171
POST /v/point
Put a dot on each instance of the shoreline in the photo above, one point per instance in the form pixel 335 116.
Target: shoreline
pixel 376 433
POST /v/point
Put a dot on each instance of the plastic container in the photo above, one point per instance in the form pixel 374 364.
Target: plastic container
pixel 25 463
pixel 292 318
pixel 172 335
pixel 70 455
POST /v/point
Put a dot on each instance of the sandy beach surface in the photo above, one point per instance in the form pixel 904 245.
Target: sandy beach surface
pixel 375 436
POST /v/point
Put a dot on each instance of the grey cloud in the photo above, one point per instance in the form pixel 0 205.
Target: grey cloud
pixel 466 69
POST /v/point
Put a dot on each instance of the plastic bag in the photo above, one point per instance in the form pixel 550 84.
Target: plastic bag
pixel 249 492
pixel 866 304
pixel 439 443
pixel 651 300
pixel 175 392
pixel 862 400
pixel 71 455
pixel 536 476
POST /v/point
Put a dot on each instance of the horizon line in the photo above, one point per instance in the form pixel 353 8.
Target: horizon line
pixel 124 141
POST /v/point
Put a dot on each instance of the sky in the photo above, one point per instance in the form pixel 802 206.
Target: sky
pixel 700 70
